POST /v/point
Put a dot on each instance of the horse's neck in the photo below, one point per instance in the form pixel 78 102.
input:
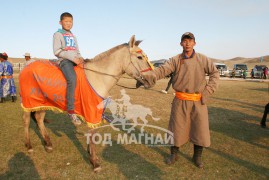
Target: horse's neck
pixel 110 65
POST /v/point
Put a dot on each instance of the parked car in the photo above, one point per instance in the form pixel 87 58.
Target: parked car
pixel 222 68
pixel 239 69
pixel 158 64
pixel 258 71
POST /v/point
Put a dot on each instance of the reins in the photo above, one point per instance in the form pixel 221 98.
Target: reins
pixel 118 77
pixel 114 76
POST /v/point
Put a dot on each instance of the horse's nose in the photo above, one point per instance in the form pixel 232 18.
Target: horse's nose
pixel 151 79
pixel 138 84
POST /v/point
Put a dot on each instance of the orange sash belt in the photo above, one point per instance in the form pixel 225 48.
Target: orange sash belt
pixel 188 96
pixel 7 77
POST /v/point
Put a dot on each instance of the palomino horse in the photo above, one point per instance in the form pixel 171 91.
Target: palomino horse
pixel 102 72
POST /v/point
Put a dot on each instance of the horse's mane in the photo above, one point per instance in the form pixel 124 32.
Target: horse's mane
pixel 108 52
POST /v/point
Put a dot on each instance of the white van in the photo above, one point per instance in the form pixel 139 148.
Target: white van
pixel 222 68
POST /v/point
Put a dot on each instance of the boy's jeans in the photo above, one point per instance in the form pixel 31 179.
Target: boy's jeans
pixel 67 68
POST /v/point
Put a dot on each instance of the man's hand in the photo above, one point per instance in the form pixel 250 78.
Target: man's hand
pixel 78 60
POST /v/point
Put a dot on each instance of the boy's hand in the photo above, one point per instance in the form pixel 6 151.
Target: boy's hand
pixel 78 60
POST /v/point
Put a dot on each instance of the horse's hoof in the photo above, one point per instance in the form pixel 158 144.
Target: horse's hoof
pixel 48 149
pixel 30 151
pixel 97 169
pixel 96 165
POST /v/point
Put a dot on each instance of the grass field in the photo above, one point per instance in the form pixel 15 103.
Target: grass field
pixel 239 149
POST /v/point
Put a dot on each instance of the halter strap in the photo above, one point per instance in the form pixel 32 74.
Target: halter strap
pixel 117 77
pixel 145 70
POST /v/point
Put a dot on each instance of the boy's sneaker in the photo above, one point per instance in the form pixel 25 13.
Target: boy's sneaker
pixel 75 119
pixel 164 91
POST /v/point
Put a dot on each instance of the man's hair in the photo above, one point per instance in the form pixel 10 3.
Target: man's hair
pixel 65 14
pixel 4 56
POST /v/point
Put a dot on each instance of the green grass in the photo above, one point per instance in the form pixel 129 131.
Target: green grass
pixel 239 148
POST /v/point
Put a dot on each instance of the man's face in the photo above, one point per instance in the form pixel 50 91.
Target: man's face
pixel 67 23
pixel 1 59
pixel 27 58
pixel 188 44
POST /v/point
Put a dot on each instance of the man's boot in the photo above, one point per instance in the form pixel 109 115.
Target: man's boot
pixel 2 100
pixel 266 111
pixel 13 98
pixel 263 124
pixel 174 155
pixel 197 156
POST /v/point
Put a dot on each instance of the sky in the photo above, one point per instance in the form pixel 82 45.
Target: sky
pixel 223 29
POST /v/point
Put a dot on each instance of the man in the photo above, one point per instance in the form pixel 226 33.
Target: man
pixel 168 84
pixel 189 115
pixel 28 59
pixel 7 81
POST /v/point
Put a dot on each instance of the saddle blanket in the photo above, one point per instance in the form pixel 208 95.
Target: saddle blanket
pixel 43 87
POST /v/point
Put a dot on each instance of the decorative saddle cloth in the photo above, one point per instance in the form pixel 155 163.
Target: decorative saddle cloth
pixel 43 87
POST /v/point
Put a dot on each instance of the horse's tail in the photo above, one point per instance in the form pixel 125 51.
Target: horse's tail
pixel 150 114
pixel 154 118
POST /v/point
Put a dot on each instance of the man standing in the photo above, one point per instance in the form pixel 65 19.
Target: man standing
pixel 7 81
pixel 168 84
pixel 189 114
pixel 28 59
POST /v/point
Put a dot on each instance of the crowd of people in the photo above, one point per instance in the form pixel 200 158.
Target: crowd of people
pixel 263 73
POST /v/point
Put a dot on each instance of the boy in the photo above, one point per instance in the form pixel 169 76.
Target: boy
pixel 189 115
pixel 65 47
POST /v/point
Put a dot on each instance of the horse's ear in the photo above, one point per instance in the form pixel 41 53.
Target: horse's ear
pixel 132 41
pixel 137 42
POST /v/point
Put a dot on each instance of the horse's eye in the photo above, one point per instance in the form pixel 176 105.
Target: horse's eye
pixel 139 57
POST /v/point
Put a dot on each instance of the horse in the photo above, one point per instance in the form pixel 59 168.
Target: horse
pixel 102 72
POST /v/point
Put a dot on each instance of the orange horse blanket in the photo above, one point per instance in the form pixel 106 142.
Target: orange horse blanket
pixel 43 87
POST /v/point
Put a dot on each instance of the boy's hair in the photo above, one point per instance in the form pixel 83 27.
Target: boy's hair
pixel 65 14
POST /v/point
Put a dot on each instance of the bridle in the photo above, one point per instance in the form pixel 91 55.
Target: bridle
pixel 143 55
pixel 138 78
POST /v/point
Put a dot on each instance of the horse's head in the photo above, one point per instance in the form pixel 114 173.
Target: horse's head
pixel 139 66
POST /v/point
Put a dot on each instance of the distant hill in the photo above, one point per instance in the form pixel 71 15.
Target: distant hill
pixel 16 60
pixel 20 60
pixel 251 62
pixel 159 61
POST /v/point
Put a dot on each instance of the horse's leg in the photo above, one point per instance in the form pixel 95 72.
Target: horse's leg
pixel 40 115
pixel 92 152
pixel 33 117
pixel 26 120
